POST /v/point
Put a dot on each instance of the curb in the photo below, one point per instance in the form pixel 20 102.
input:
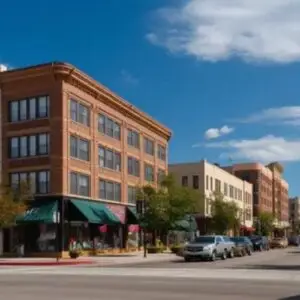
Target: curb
pixel 47 263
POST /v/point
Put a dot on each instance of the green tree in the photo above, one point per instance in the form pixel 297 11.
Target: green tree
pixel 225 214
pixel 264 224
pixel 12 203
pixel 168 204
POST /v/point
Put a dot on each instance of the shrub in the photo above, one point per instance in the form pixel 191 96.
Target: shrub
pixel 75 253
pixel 176 248
pixel 155 249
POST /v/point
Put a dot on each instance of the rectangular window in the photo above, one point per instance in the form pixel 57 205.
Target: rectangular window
pixel 133 166
pixel 27 146
pixel 109 190
pixel 217 186
pixel 79 184
pixel 109 127
pixel 79 148
pixel 39 181
pixel 184 181
pixel 161 152
pixel 196 182
pixel 148 146
pixel 207 182
pixel 79 113
pixel 225 189
pixel 160 175
pixel 133 138
pixel 231 191
pixel 109 158
pixel 29 109
pixel 132 191
pixel 149 173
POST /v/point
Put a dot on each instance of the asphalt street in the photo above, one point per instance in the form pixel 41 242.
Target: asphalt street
pixel 277 259
pixel 33 287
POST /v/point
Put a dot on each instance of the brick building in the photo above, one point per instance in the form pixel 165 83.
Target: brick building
pixel 82 148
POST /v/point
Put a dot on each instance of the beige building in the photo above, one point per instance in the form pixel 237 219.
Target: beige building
pixel 294 213
pixel 210 178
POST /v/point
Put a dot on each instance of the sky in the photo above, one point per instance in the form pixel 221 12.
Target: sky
pixel 222 74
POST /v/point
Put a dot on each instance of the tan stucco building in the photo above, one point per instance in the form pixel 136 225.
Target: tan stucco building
pixel 210 178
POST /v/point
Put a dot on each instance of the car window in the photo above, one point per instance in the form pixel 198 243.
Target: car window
pixel 226 239
pixel 204 240
pixel 219 239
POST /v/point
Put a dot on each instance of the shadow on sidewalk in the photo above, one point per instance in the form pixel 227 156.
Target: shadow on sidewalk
pixel 268 267
pixel 297 297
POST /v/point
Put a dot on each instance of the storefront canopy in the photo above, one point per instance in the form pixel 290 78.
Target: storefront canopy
pixel 40 212
pixel 95 212
pixel 187 224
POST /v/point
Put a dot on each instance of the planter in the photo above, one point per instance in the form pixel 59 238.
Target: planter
pixel 74 254
pixel 176 249
pixel 153 250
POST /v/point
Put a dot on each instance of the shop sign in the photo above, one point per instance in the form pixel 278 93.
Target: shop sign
pixel 133 228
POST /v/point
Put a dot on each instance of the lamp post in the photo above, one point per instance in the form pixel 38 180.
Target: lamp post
pixel 140 208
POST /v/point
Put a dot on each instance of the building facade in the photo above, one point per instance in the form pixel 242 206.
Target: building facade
pixel 210 178
pixel 270 190
pixel 294 214
pixel 72 138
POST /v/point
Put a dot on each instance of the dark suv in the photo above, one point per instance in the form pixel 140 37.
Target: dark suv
pixel 260 243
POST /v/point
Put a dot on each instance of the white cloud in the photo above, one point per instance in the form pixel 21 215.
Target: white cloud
pixel 129 78
pixel 289 115
pixel 213 30
pixel 213 133
pixel 265 149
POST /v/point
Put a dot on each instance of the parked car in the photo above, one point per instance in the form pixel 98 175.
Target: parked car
pixel 243 245
pixel 260 243
pixel 279 242
pixel 209 247
pixel 294 240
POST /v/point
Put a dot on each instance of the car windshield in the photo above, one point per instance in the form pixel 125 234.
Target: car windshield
pixel 204 240
pixel 237 239
pixel 255 238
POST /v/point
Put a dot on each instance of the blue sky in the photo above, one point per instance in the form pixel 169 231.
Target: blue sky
pixel 228 66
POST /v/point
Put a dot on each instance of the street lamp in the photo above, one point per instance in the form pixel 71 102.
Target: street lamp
pixel 140 208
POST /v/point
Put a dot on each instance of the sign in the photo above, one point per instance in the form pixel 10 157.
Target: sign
pixel 133 228
pixel 103 228
pixel 119 211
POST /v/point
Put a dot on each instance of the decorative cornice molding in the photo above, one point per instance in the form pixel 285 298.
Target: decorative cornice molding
pixel 75 77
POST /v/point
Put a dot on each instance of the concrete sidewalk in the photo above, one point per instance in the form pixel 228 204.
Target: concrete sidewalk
pixel 104 260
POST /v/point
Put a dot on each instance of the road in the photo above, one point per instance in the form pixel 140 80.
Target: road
pixel 264 276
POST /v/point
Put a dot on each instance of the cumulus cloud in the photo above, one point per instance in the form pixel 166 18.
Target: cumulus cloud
pixel 213 133
pixel 265 149
pixel 289 115
pixel 213 30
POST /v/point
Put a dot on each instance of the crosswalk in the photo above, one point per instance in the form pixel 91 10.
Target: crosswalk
pixel 229 274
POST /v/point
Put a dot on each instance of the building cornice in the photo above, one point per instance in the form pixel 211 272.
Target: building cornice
pixel 75 77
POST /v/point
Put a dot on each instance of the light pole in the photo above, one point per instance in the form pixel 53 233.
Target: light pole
pixel 140 208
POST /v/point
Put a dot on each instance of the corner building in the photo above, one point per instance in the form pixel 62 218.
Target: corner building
pixel 82 148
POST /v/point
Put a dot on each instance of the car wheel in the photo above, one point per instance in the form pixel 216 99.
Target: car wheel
pixel 231 253
pixel 213 256
pixel 224 255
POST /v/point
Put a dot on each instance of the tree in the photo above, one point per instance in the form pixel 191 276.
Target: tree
pixel 225 215
pixel 264 223
pixel 168 204
pixel 12 203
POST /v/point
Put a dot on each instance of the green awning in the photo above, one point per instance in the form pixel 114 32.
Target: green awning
pixel 187 224
pixel 41 212
pixel 132 216
pixel 95 212
pixel 84 207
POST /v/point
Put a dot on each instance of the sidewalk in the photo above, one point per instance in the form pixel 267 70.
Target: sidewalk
pixel 104 260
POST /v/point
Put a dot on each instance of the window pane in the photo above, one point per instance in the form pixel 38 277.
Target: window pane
pixel 101 123
pixel 42 107
pixel 23 146
pixel 43 144
pixel 14 111
pixel 73 146
pixel 23 177
pixel 117 161
pixel 43 182
pixel 14 147
pixel 73 183
pixel 32 109
pixel 83 149
pixel 23 110
pixel 117 192
pixel 109 190
pixel 73 110
pixel 117 131
pixel 102 189
pixel 109 159
pixel 101 155
pixel 32 182
pixel 110 127
pixel 32 145
pixel 83 182
pixel 14 181
pixel 83 116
